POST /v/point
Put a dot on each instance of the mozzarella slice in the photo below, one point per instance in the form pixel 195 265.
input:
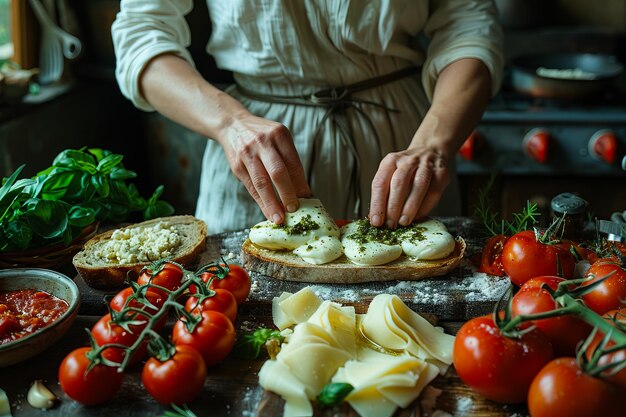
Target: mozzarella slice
pixel 311 220
pixel 427 240
pixel 320 250
pixel 366 252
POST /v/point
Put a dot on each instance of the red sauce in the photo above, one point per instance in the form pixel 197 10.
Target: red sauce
pixel 23 312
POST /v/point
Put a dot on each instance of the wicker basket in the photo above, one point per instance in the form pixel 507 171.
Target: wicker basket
pixel 49 257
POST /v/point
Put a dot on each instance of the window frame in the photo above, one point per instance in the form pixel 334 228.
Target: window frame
pixel 24 33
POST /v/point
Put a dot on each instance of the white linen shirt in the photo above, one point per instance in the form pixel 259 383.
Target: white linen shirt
pixel 292 47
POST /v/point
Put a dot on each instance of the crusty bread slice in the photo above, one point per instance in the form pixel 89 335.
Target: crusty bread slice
pixel 100 273
pixel 284 265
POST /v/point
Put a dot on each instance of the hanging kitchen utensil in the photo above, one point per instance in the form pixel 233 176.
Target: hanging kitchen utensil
pixel 55 44
pixel 564 76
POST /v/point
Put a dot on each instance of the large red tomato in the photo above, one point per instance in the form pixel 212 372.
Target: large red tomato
pixel 166 275
pixel 524 257
pixel 235 279
pixel 562 389
pixel 608 295
pixel 564 332
pixel 491 257
pixel 222 300
pixel 213 337
pixel 177 380
pixel 106 332
pixel 498 367
pixel 94 387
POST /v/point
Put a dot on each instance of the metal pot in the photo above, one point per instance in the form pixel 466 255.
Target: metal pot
pixel 564 76
pixel 522 14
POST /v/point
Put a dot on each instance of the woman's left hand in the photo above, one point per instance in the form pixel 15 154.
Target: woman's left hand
pixel 407 186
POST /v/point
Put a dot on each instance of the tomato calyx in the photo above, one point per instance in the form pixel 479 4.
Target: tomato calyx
pixel 160 348
pixel 217 270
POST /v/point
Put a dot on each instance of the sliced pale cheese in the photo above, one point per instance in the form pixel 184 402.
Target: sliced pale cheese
pixel 299 228
pixel 342 321
pixel 276 376
pixel 393 325
pixel 320 250
pixel 427 240
pixel 290 309
pixel 366 252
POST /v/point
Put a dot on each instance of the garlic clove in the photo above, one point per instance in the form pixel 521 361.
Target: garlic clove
pixel 39 396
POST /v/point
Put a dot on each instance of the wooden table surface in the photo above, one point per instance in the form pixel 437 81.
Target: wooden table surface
pixel 232 386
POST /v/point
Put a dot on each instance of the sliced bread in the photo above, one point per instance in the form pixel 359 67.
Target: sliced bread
pixel 100 268
pixel 285 265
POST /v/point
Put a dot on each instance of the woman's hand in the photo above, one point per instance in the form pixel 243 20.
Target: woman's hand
pixel 262 155
pixel 407 186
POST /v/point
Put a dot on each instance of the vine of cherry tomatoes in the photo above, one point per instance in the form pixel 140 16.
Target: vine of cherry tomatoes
pixel 176 369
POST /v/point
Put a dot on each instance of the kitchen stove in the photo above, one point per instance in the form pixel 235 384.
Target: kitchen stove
pixel 541 147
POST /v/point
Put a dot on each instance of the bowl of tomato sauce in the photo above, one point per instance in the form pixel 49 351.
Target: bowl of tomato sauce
pixel 37 306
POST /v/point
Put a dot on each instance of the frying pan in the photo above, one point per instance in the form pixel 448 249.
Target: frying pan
pixel 564 76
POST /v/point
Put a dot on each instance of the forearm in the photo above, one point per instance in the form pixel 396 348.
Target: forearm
pixel 460 97
pixel 176 90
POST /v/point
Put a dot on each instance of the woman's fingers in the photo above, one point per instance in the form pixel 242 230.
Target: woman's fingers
pixel 407 186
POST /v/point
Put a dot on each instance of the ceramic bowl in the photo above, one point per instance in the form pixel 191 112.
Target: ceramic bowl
pixel 53 283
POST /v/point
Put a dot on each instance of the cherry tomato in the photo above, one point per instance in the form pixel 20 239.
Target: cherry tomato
pixel 618 378
pixel 168 276
pixel 523 257
pixel 94 387
pixel 562 389
pixel 118 302
pixel 491 258
pixel 610 294
pixel 237 281
pixel 564 332
pixel 495 366
pixel 222 300
pixel 177 380
pixel 105 332
pixel 213 337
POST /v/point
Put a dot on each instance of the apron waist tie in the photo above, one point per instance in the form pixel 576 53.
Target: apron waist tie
pixel 334 99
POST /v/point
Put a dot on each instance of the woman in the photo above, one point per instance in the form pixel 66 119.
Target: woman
pixel 336 99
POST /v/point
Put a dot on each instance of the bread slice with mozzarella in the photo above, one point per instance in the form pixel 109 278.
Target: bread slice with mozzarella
pixel 108 258
pixel 315 251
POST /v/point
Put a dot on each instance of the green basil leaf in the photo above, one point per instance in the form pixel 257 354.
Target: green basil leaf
pixel 333 394
pixel 106 164
pixel 18 235
pixel 119 173
pixel 101 184
pixel 81 216
pixel 156 195
pixel 48 219
pixel 158 209
pixel 71 158
pixel 98 153
pixel 8 182
pixel 55 186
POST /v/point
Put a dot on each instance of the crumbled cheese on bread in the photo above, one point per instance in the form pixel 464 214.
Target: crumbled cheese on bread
pixel 140 244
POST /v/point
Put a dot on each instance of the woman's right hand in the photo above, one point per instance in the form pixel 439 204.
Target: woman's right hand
pixel 262 155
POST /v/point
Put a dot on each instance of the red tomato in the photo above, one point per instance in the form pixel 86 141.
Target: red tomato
pixel 342 222
pixel 213 338
pixel 222 300
pixel 118 302
pixel 609 294
pixel 168 276
pixel 582 252
pixel 177 380
pixel 523 257
pixel 237 281
pixel 105 332
pixel 618 378
pixel 498 367
pixel 564 332
pixel 562 389
pixel 491 258
pixel 94 387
